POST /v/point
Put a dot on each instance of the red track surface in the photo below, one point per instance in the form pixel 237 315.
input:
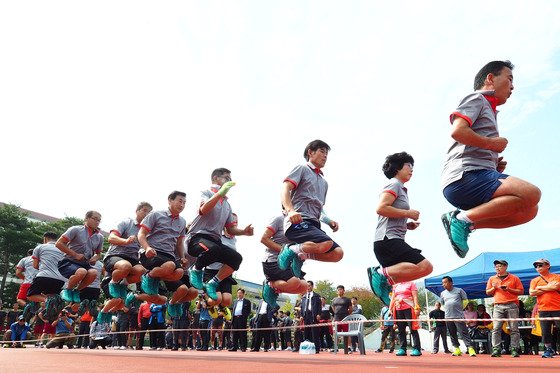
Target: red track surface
pixel 116 361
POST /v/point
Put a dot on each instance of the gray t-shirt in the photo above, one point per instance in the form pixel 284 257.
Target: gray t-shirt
pixel 453 302
pixel 48 256
pixel 83 240
pixel 340 307
pixel 393 227
pixel 276 225
pixel 477 110
pixel 213 222
pixel 26 266
pixel 96 284
pixel 126 228
pixel 164 229
pixel 309 194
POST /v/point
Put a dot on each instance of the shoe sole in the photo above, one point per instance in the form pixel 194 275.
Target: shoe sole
pixel 447 227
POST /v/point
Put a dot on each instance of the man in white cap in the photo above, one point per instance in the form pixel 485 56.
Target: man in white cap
pixel 505 288
pixel 545 287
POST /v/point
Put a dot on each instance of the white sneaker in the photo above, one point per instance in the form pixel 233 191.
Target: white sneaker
pixel 272 349
pixel 160 349
pixel 115 347
pixel 122 348
pixel 288 349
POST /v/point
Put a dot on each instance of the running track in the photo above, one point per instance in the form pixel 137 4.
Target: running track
pixel 35 360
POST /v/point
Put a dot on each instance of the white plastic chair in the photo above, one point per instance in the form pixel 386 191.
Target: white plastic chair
pixel 355 329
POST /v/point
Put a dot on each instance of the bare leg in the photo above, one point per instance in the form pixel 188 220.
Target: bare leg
pixel 514 202
pixel 405 271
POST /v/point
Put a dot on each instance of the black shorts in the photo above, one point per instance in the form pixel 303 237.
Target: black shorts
pixel 309 230
pixel 174 285
pixel 394 251
pixel 110 261
pixel 90 293
pixel 206 250
pixel 225 285
pixel 272 272
pixel 158 260
pixel 45 285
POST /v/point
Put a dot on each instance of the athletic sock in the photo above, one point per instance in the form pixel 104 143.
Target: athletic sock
pixel 304 256
pixel 215 279
pixel 463 217
pixel 389 278
pixel 296 248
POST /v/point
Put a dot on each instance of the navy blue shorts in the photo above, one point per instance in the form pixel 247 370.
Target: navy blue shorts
pixel 68 268
pixel 309 230
pixel 473 189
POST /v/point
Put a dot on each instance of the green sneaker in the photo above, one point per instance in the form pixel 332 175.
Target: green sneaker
pixel 174 309
pixel 457 231
pixel 297 263
pixel 195 277
pixel 129 300
pixel 379 285
pixel 286 257
pixel 514 352
pixel 416 352
pixel 457 352
pixel 76 296
pixel 211 288
pixel 269 295
pixel 401 352
pixel 150 285
pixel 29 310
pixel 496 352
pixel 117 290
pixel 67 295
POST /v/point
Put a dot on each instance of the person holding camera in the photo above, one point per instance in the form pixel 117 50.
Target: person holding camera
pixel 64 333
pixel 203 323
pixel 505 288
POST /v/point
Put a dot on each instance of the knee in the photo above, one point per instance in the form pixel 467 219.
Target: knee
pixel 425 267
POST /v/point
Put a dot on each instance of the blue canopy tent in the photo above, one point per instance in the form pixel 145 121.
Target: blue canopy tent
pixel 473 276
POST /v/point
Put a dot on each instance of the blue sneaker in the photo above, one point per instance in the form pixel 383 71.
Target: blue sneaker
pixel 269 295
pixel 286 257
pixel 458 232
pixel 548 353
pixel 401 352
pixel 211 288
pixel 195 277
pixel 416 352
pixel 379 285
pixel 67 295
pixel 150 285
pixel 297 263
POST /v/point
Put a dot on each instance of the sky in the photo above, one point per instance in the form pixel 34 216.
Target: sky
pixel 105 104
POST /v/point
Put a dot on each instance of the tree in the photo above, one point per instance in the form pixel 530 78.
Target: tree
pixel 16 238
pixel 371 306
pixel 325 289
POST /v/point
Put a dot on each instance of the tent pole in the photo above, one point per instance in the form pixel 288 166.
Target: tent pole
pixel 429 323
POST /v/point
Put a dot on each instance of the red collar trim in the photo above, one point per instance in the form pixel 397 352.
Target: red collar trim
pixel 492 100
pixel 91 231
pixel 315 169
